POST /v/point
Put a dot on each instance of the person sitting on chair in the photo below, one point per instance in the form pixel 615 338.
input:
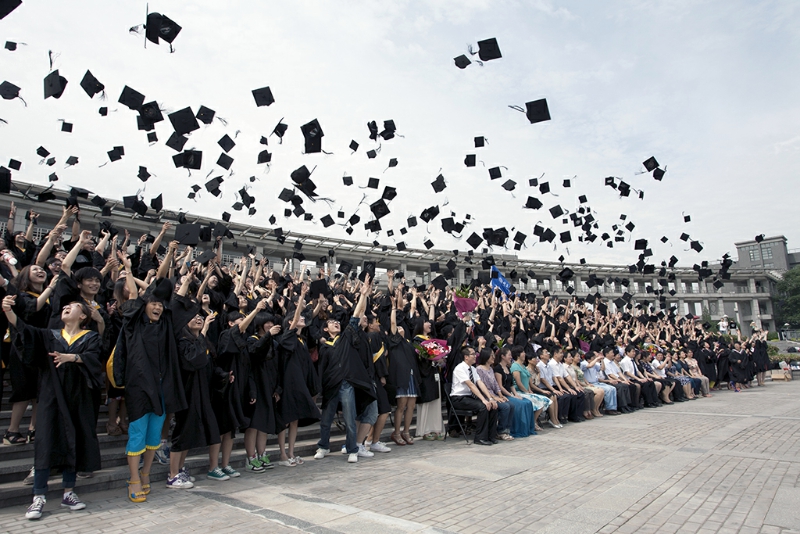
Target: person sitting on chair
pixel 469 393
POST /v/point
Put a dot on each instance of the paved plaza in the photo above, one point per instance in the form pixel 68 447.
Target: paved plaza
pixel 730 463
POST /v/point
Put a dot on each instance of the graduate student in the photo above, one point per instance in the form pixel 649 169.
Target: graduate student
pixel 69 366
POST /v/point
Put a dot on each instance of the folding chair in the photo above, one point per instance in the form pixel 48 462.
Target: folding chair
pixel 455 413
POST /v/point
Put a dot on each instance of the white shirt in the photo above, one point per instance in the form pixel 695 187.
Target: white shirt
pixel 545 372
pixel 556 369
pixel 460 376
pixel 627 365
pixel 611 368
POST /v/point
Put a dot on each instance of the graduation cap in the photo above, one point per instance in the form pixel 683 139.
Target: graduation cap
pixel 684 237
pixel 54 85
pixel 379 209
pixel 439 184
pixel 565 237
pixel 319 287
pixel 509 185
pixel 5 181
pixel 429 214
pixel 567 183
pixel 401 246
pixel 611 182
pixel 313 134
pixel 469 161
pixel 116 153
pixel 184 121
pixel 226 143
pixel 495 173
pixel 206 256
pixel 91 85
pixel 225 161
pixel 462 61
pixel 428 244
pixel 161 27
pixel 189 159
pixel 658 174
pixel 389 193
pixel 488 49
pixel 347 180
pixel 345 267
pixel 135 203
pixel 556 211
pixel 205 115
pixel 687 218
pixel 9 91
pixel 131 98
pixel 640 244
pixel 176 141
pixel 263 97
pixel 372 183
pixel 440 282
pixel 544 188
pixel 536 111
pixel 327 221
pixel 367 269
pixel 650 164
pixel 14 164
pixel 695 245
pixel 533 203
pixel 565 274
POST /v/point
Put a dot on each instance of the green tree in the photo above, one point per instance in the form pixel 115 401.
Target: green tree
pixel 706 318
pixel 788 307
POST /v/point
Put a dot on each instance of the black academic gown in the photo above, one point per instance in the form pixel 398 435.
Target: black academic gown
pixel 347 357
pixel 232 356
pixel 708 363
pixel 266 380
pixel 299 381
pixel 25 378
pixel 428 377
pixel 66 431
pixel 739 371
pixel 403 367
pixel 196 426
pixel 148 366
pixel 760 356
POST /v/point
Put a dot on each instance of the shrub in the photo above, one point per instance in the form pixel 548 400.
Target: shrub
pixel 772 336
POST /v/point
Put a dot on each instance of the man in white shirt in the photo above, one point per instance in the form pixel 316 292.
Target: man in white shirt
pixel 468 392
pixel 613 376
pixel 561 378
pixel 549 383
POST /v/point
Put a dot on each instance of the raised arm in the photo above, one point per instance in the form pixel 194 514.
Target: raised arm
pixel 66 265
pixel 260 306
pixel 301 303
pixel 361 307
pixel 130 280
pixel 44 253
pixel 160 237
pixel 163 269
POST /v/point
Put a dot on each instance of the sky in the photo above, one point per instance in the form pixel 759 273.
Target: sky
pixel 708 88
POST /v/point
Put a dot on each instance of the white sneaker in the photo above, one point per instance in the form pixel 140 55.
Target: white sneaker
pixel 379 446
pixel 321 453
pixel 344 449
pixel 353 458
pixel 179 482
pixel 35 509
pixel 364 453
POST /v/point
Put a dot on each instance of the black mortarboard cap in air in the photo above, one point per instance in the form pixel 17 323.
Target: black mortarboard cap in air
pixel 353 145
pixel 66 127
pixel 556 211
pixel 495 173
pixel 157 203
pixel 428 214
pixel 264 157
pixel 664 239
pixel 439 184
pixel 225 161
pixel 480 141
pixel 327 221
pixel 131 98
pixel 189 159
pixel 206 257
pixel 367 269
pixel 7 6
pixel 143 175
pixel 372 183
pixel 373 226
pixel 544 188
pixel 79 192
pixel 103 111
pixel 313 134
pixel 658 174
pixel 610 181
pixel 401 246
pixel 9 91
pixel 91 85
pixel 533 203
pixel 379 209
pixel 161 27
pixel 5 181
pixel 509 185
pixel 54 85
pixel 188 234
pixel 462 61
pixel 151 113
pixel 565 274
pixel 650 164
pixel 696 246
pixel 372 154
pixel 630 226
pixel 347 180
pixel 345 267
pixel 115 154
pixel 687 218
pixel 565 237
pixel 537 111
pixel 488 49
pixel 184 121
pixel 389 193
pixel 10 46
pixel 393 162
pixel 353 220
pixel 319 287
pixel 428 244
pixel 411 222
pixel 226 143
pixel 299 256
pixel 177 141
pixel 474 240
pixel 14 164
pixel 567 183
pixel 205 115
pixel 684 237
pixel 582 199
pixel 759 238
pixel 640 244
pixel 44 196
pixel 263 97
pixel 469 161
pixel 226 216
pixel 439 282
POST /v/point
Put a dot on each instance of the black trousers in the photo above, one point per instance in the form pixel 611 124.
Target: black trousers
pixel 577 406
pixel 564 404
pixel 649 393
pixel 486 423
pixel 635 391
pixel 623 395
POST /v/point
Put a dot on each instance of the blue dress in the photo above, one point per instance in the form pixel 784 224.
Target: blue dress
pixel 523 423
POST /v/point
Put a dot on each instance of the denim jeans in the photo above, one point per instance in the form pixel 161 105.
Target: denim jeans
pixel 40 480
pixel 347 396
pixel 505 414
pixel 609 395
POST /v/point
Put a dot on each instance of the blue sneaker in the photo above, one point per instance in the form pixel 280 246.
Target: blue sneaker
pixel 231 472
pixel 162 454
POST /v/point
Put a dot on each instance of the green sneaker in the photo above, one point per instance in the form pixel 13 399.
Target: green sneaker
pixel 231 472
pixel 217 474
pixel 265 463
pixel 254 465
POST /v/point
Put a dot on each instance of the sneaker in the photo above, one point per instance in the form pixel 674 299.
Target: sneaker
pixel 353 458
pixel 254 465
pixel 321 453
pixel 344 449
pixel 35 509
pixel 162 454
pixel 29 479
pixel 364 453
pixel 231 472
pixel 379 446
pixel 265 463
pixel 84 474
pixel 184 471
pixel 217 474
pixel 179 482
pixel 71 501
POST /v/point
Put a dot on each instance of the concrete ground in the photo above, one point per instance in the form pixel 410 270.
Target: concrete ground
pixel 730 463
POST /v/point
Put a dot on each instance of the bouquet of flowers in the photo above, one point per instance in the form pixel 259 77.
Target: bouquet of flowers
pixel 432 349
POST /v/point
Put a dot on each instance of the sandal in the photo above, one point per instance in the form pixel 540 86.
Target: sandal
pixel 440 436
pixel 288 463
pixel 506 437
pixel 31 435
pixel 297 460
pixel 145 487
pixel 398 439
pixel 137 496
pixel 14 438
pixel 407 437
pixel 430 436
pixel 113 430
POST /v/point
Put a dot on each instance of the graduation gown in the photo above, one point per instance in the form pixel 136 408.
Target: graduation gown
pixel 66 430
pixel 760 356
pixel 146 363
pixel 266 380
pixel 232 356
pixel 428 377
pixel 739 371
pixel 299 381
pixel 707 361
pixel 347 357
pixel 196 426
pixel 25 378
pixel 403 367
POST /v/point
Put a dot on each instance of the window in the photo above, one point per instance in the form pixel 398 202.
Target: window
pixel 754 256
pixel 768 253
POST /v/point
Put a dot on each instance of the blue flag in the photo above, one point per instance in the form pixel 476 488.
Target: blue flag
pixel 500 282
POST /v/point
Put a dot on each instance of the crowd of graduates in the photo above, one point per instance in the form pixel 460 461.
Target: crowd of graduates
pixel 187 352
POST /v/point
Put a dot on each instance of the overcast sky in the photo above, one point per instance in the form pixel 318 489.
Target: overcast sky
pixel 708 88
